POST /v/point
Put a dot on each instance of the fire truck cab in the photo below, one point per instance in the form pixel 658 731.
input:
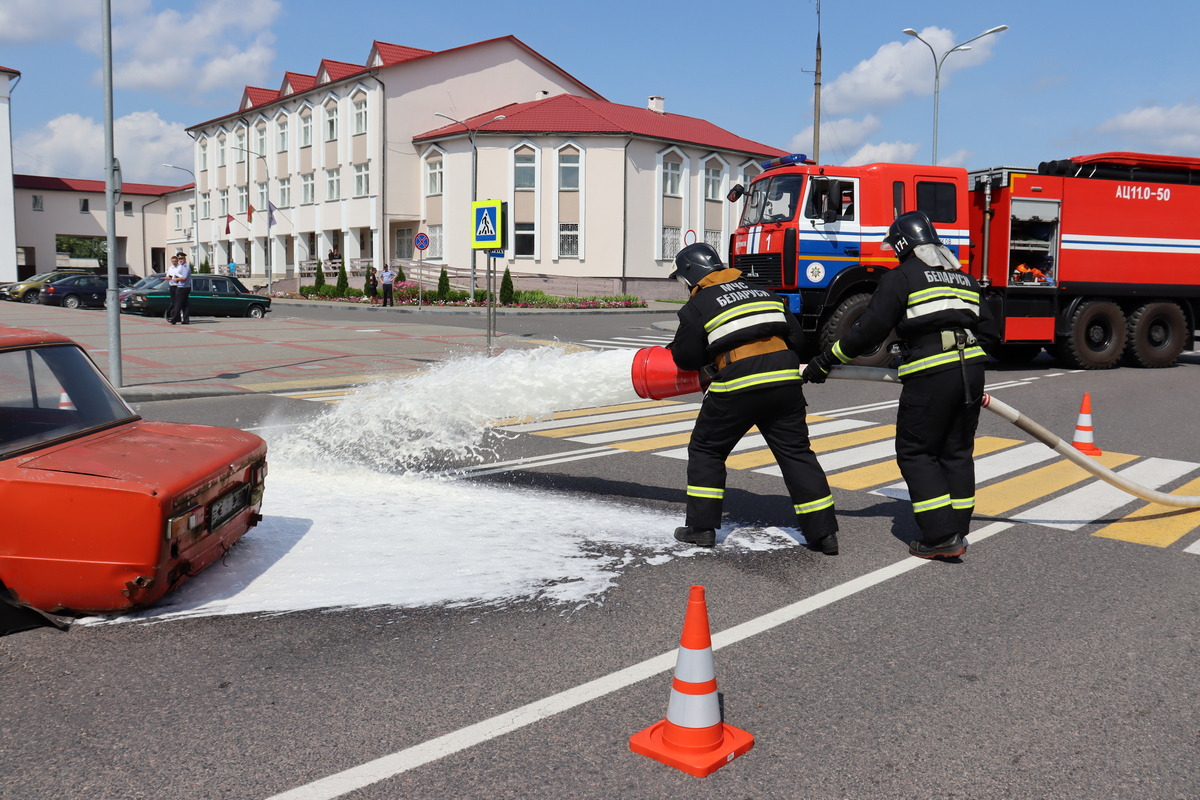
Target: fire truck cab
pixel 814 234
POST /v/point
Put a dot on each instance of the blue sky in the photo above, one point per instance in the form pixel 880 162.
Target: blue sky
pixel 1068 77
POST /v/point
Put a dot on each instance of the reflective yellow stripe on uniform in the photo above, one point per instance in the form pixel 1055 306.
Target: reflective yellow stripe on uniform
pixel 930 505
pixel 939 360
pixel 757 379
pixel 941 298
pixel 742 317
pixel 962 502
pixel 926 295
pixel 815 505
pixel 710 492
pixel 837 352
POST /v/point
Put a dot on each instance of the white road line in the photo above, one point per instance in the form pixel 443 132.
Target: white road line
pixel 578 455
pixel 639 340
pixel 1193 548
pixel 880 406
pixel 989 468
pixel 635 433
pixel 418 755
pixel 521 461
pixel 529 427
pixel 1091 503
pixel 756 440
pixel 841 459
pixel 611 343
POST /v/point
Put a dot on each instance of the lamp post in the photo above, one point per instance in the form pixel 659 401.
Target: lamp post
pixel 196 207
pixel 267 170
pixel 937 71
pixel 474 182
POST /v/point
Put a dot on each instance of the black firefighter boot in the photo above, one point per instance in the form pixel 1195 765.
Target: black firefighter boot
pixel 702 537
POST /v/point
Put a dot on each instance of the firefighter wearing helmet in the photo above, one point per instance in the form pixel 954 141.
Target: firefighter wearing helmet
pixel 747 343
pixel 940 314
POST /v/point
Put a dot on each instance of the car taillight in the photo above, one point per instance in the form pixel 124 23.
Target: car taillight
pixel 49 290
pixel 187 521
pixel 259 473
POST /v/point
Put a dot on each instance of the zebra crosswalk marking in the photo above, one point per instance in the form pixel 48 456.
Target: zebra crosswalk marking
pixel 620 425
pixel 989 468
pixel 753 440
pixel 632 419
pixel 1157 525
pixel 760 458
pixel 842 459
pixel 1093 502
pixel 1015 492
pixel 828 443
pixel 887 472
pixel 624 435
pixel 587 412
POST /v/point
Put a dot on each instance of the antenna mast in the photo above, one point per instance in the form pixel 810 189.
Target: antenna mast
pixel 817 94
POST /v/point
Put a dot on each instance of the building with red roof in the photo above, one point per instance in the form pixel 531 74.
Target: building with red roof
pixel 358 159
pixel 8 232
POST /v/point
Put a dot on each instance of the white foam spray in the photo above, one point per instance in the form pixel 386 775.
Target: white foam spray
pixel 352 520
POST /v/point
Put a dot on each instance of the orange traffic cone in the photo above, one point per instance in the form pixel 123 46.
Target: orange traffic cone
pixel 693 738
pixel 64 401
pixel 1084 440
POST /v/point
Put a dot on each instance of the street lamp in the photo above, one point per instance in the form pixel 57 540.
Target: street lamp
pixel 195 207
pixel 937 72
pixel 474 182
pixel 267 170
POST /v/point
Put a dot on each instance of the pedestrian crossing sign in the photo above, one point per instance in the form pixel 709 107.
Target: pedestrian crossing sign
pixel 487 225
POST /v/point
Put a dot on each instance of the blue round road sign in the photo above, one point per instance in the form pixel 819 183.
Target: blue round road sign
pixel 421 241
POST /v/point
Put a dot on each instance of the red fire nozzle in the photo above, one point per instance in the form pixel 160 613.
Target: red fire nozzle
pixel 655 375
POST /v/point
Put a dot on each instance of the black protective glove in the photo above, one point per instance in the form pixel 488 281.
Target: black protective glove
pixel 818 369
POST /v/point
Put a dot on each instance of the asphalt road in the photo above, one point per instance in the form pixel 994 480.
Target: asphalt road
pixel 1046 664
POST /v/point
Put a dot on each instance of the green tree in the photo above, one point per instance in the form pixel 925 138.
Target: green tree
pixel 443 285
pixel 83 247
pixel 319 281
pixel 507 295
pixel 343 283
pixel 400 274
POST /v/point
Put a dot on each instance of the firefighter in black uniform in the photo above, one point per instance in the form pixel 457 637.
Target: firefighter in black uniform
pixel 939 313
pixel 747 343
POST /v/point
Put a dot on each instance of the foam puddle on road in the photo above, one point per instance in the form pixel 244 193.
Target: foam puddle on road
pixel 357 513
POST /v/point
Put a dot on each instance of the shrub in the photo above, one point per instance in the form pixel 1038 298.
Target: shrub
pixel 443 285
pixel 352 292
pixel 343 283
pixel 507 295
pixel 481 295
pixel 308 290
pixel 530 296
pixel 320 279
pixel 406 290
pixel 400 277
pixel 327 290
pixel 204 268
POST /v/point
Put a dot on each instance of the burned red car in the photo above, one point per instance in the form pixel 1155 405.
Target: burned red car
pixel 100 510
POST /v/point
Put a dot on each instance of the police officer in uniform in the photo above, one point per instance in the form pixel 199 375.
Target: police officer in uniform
pixel 941 317
pixel 747 342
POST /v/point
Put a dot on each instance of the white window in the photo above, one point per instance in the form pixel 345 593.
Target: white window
pixel 308 192
pixel 433 175
pixel 435 241
pixel 260 140
pixel 281 141
pixel 568 240
pixel 748 174
pixel 568 170
pixel 362 179
pixel 333 184
pixel 192 214
pixel 83 205
pixel 672 175
pixel 524 238
pixel 239 147
pixel 178 218
pixel 222 202
pixel 360 115
pixel 262 197
pixel 331 123
pixel 712 184
pixel 306 130
pixel 39 202
pixel 524 168
pixel 285 192
pixel 404 243
pixel 203 155
pixel 221 151
pixel 128 208
pixel 670 241
pixel 713 239
pixel 243 194
pixel 205 205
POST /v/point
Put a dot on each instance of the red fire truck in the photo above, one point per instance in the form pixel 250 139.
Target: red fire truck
pixel 1094 257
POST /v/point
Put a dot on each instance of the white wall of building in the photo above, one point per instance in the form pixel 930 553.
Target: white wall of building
pixel 8 231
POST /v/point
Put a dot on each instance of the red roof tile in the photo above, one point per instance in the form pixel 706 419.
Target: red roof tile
pixel 50 184
pixel 10 70
pixel 336 70
pixel 298 81
pixel 567 113
pixel 259 96
pixel 395 53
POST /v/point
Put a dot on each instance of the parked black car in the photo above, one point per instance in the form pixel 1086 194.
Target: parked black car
pixel 75 291
pixel 212 296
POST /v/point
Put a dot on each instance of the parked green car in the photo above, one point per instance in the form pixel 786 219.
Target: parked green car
pixel 212 296
pixel 30 289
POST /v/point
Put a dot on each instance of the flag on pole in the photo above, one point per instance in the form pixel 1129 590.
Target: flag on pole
pixel 250 214
pixel 228 222
pixel 270 213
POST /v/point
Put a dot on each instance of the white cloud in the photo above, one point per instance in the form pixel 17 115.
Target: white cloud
pixel 27 21
pixel 959 158
pixel 899 69
pixel 887 152
pixel 844 134
pixel 73 145
pixel 1158 128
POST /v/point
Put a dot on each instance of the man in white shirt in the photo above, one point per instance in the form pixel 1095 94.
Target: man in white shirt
pixel 388 278
pixel 179 277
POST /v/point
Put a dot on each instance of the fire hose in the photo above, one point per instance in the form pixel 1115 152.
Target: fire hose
pixel 655 375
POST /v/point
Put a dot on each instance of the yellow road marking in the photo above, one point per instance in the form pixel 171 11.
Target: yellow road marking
pixel 584 412
pixel 836 442
pixel 1014 492
pixel 888 472
pixel 654 443
pixel 617 425
pixel 1154 524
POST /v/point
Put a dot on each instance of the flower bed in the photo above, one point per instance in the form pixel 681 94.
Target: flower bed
pixel 406 294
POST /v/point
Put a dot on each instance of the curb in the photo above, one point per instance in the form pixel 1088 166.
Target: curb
pixel 463 311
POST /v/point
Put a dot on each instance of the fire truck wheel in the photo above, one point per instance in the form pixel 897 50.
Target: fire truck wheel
pixel 1097 336
pixel 1155 334
pixel 843 318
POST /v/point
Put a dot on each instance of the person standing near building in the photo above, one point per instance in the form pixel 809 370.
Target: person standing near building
pixel 170 276
pixel 748 342
pixel 371 286
pixel 940 314
pixel 387 278
pixel 180 279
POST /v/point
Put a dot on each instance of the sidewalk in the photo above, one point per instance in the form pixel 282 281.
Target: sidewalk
pixel 652 307
pixel 231 355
